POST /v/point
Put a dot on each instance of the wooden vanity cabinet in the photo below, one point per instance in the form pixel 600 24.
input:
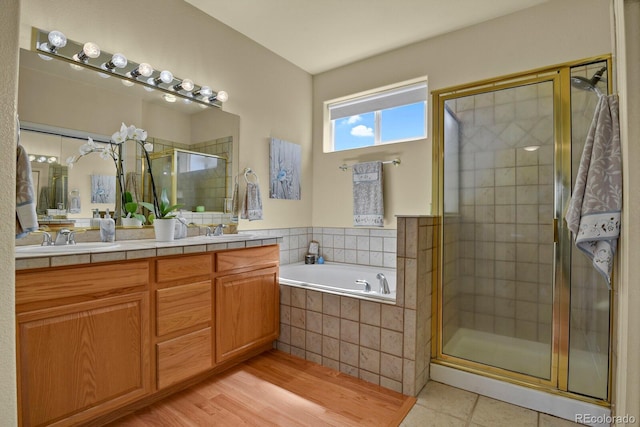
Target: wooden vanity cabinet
pixel 83 341
pixel 184 307
pixel 247 304
pixel 94 339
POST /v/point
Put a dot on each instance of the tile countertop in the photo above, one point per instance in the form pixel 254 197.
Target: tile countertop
pixel 35 256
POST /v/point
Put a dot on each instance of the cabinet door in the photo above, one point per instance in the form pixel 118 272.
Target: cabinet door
pixel 81 360
pixel 247 311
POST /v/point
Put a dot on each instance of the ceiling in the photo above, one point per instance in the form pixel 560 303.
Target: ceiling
pixel 319 35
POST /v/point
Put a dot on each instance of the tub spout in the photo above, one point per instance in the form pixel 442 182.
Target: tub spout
pixel 367 286
pixel 384 285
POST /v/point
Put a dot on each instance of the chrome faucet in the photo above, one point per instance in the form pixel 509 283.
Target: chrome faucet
pixel 65 237
pixel 367 286
pixel 217 231
pixel 46 239
pixel 384 285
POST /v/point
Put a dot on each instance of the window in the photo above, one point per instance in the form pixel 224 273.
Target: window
pixel 384 117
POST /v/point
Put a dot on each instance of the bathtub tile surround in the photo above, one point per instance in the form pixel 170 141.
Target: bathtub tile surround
pixel 350 245
pixel 385 344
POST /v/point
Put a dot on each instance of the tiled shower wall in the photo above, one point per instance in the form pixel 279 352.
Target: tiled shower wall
pixel 502 283
pixel 386 344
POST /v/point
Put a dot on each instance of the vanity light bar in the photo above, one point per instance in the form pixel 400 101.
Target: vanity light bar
pixel 92 57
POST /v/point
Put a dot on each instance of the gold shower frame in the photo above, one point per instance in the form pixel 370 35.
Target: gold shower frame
pixel 560 76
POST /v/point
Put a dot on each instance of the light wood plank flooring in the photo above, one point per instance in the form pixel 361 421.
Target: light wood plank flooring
pixel 276 389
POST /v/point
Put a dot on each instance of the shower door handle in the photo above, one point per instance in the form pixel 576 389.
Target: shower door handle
pixel 555 231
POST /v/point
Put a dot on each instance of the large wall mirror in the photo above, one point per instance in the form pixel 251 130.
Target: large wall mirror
pixel 60 107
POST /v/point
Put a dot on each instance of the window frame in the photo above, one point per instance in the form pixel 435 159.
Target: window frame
pixel 417 84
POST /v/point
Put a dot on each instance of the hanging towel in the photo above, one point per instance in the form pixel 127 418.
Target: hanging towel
pixel 252 203
pixel 368 206
pixel 235 201
pixel 26 216
pixel 43 200
pixel 593 215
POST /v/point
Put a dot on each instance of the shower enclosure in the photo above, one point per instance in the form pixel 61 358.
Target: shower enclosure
pixel 514 299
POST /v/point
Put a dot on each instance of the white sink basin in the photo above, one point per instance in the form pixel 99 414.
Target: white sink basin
pixel 78 247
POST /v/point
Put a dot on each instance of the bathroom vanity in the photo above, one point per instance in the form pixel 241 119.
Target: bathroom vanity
pixel 98 338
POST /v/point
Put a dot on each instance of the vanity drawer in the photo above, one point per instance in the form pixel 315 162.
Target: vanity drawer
pixel 46 288
pixel 183 307
pixel 251 258
pixel 176 269
pixel 184 357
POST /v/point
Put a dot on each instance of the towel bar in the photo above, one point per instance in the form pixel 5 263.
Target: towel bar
pixel 394 162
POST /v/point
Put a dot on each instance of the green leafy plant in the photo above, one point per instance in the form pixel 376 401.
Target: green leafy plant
pixel 131 208
pixel 164 210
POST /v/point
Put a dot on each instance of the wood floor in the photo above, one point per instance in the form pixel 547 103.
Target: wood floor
pixel 276 389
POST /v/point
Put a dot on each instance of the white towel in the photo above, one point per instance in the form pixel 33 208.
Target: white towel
pixel 368 202
pixel 252 203
pixel 593 215
pixel 235 201
pixel 26 216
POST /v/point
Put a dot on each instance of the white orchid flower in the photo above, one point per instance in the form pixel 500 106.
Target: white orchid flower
pixel 140 134
pixel 104 154
pixel 130 131
pixel 120 136
pixel 148 147
pixel 70 161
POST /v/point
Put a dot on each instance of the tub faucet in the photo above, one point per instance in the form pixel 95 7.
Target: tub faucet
pixel 65 237
pixel 384 285
pixel 367 286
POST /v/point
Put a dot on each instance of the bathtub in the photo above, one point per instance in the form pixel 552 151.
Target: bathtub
pixel 340 279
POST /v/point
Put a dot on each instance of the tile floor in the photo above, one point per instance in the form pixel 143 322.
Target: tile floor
pixel 440 405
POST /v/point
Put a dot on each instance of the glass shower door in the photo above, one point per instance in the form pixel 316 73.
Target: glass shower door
pixel 499 206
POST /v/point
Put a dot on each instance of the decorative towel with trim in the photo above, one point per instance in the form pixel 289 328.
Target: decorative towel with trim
pixel 368 203
pixel 26 216
pixel 593 215
pixel 252 202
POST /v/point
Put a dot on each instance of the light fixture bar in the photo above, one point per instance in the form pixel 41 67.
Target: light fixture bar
pixel 130 72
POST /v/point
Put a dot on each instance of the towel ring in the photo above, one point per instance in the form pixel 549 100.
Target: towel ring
pixel 248 172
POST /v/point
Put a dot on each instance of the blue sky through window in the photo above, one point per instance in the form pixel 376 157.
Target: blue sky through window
pixel 399 123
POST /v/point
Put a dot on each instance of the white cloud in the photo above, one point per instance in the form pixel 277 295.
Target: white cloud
pixel 354 119
pixel 361 130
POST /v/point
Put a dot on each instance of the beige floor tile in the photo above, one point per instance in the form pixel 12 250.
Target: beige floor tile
pixel 449 400
pixel 551 421
pixel 494 413
pixel 419 416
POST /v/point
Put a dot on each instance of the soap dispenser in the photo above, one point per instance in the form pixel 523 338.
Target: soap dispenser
pixel 107 228
pixel 180 227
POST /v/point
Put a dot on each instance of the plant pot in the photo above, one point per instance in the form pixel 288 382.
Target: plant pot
pixel 164 229
pixel 131 223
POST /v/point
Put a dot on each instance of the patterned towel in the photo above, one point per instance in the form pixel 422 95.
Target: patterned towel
pixel 593 215
pixel 26 216
pixel 252 203
pixel 368 203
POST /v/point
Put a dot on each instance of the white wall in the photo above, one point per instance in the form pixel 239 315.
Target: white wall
pixel 271 96
pixel 9 92
pixel 552 33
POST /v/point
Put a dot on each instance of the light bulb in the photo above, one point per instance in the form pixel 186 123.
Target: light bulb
pixel 166 76
pixel 169 98
pixel 31 157
pixel 143 69
pixel 118 60
pixel 89 50
pixel 56 40
pixel 186 85
pixel 205 91
pixel 222 96
pixel 52 159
